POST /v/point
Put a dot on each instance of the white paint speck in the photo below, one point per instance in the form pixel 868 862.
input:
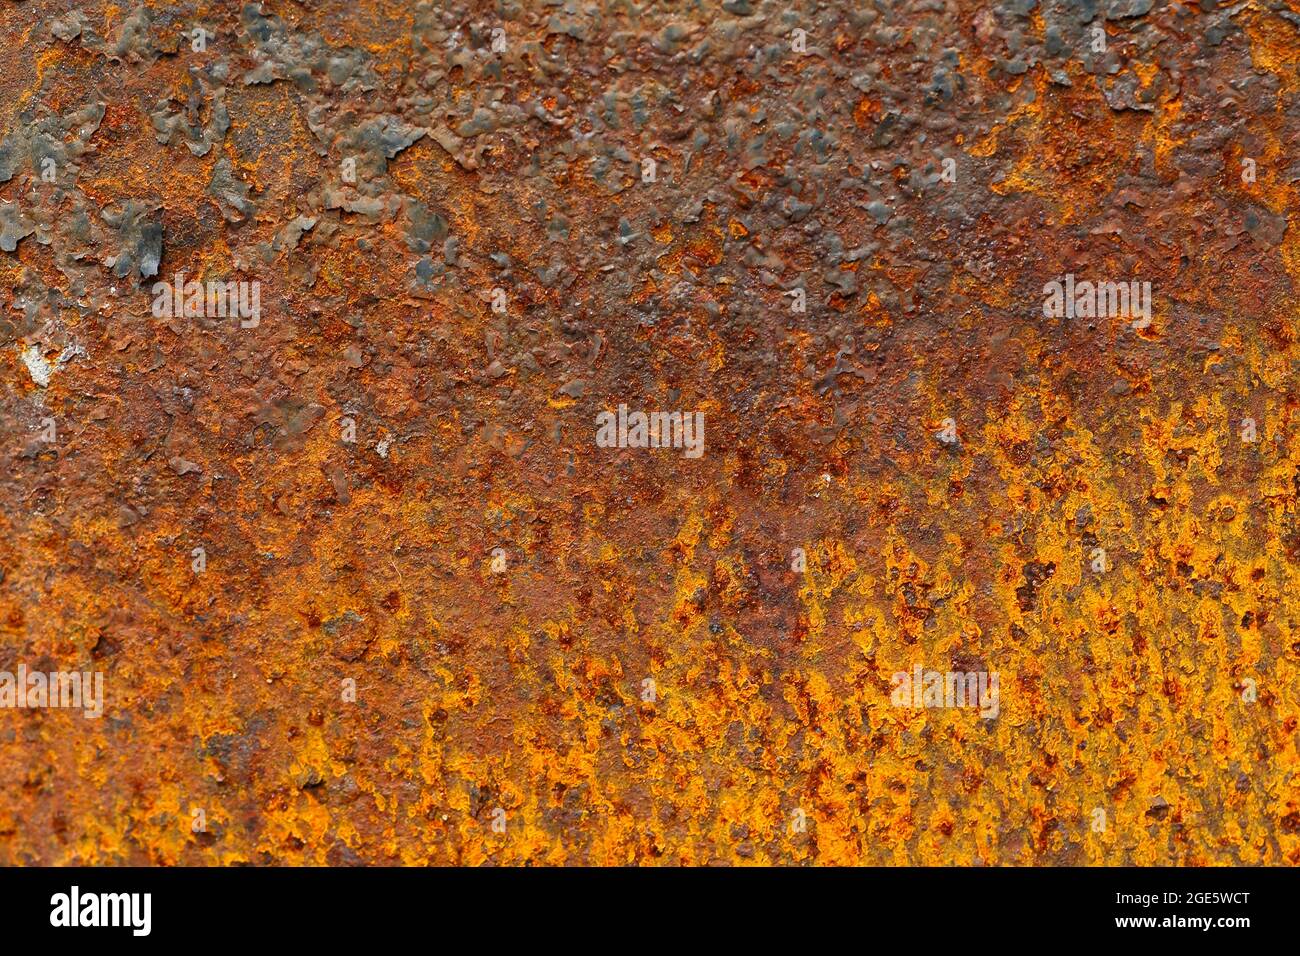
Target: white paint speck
pixel 384 444
pixel 39 369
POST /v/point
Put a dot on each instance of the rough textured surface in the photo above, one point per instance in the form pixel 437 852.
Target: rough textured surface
pixel 1164 690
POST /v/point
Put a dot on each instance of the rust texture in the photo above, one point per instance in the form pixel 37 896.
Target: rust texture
pixel 827 227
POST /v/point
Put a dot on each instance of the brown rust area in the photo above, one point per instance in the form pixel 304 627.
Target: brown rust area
pixel 502 713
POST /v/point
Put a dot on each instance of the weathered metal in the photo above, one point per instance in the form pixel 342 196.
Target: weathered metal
pixel 467 229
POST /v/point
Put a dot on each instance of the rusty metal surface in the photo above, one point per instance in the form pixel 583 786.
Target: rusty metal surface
pixel 570 653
